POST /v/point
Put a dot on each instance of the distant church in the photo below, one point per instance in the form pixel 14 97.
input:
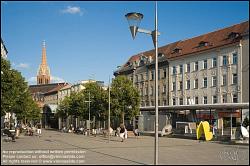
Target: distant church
pixel 45 93
pixel 43 73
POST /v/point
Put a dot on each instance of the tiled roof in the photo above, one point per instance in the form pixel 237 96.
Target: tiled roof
pixel 66 87
pixel 208 41
pixel 44 88
pixel 56 89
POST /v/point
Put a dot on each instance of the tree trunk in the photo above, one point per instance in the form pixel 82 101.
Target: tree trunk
pixel 122 117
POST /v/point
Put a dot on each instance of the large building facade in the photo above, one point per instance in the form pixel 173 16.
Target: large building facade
pixel 207 69
pixel 46 97
pixel 76 88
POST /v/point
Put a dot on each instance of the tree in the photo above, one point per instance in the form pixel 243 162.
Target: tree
pixel 76 105
pixel 72 105
pixel 27 108
pixel 98 98
pixel 245 122
pixel 15 97
pixel 125 98
pixel 7 95
pixel 63 108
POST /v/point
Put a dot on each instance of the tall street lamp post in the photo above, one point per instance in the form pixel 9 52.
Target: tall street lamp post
pixel 89 107
pixel 134 20
pixel 109 114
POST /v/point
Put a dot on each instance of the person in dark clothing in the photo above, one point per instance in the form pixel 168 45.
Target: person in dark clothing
pixel 122 132
pixel 7 132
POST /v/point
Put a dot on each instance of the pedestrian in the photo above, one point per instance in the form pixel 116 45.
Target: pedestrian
pixel 71 128
pixel 29 131
pixel 7 132
pixel 39 129
pixel 136 132
pixel 125 133
pixel 122 132
pixel 117 132
pixel 94 131
pixel 110 131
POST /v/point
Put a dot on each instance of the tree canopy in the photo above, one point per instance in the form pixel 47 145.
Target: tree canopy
pixel 125 101
pixel 125 98
pixel 15 97
pixel 77 103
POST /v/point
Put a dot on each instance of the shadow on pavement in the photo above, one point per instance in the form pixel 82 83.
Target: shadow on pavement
pixel 91 149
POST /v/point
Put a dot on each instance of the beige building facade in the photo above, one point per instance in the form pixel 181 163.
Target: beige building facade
pixel 208 69
pixel 76 87
pixel 215 71
pixel 207 78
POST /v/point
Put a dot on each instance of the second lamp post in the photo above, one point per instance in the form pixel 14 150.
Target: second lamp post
pixel 134 20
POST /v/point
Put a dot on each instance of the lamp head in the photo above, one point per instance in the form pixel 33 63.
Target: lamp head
pixel 134 20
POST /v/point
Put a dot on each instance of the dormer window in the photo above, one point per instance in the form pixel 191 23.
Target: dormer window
pixel 142 62
pixel 233 35
pixel 134 63
pixel 160 55
pixel 143 57
pixel 176 50
pixel 203 43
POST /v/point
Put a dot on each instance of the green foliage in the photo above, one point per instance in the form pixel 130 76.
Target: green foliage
pixel 99 100
pixel 245 122
pixel 15 97
pixel 76 104
pixel 125 98
pixel 63 108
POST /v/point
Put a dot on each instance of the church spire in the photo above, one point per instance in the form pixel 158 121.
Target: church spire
pixel 43 74
pixel 44 59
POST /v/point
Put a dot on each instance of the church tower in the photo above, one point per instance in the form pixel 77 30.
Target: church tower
pixel 43 73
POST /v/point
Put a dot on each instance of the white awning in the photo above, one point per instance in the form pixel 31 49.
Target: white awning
pixel 223 106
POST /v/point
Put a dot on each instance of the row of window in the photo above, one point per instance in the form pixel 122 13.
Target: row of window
pixel 50 98
pixel 187 86
pixel 204 100
pixel 205 84
pixel 152 103
pixel 193 101
pixel 164 90
pixel 152 74
pixel 225 62
pixel 65 92
pixel 43 81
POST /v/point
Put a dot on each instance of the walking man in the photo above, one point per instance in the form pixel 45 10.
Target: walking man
pixel 39 129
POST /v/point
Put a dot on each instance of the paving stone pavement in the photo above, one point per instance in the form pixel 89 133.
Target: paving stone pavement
pixel 80 149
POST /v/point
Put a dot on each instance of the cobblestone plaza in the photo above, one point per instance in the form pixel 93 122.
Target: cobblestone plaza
pixel 81 149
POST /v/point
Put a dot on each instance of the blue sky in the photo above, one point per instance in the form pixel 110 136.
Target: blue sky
pixel 90 39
